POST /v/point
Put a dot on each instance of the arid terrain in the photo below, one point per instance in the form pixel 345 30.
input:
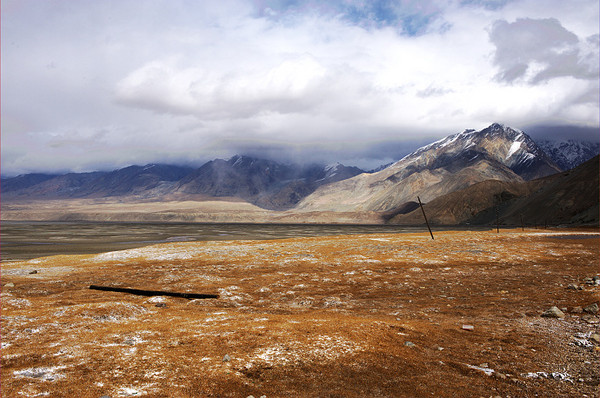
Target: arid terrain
pixel 377 315
pixel 229 210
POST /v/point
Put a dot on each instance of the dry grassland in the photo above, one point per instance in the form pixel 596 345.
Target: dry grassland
pixel 343 316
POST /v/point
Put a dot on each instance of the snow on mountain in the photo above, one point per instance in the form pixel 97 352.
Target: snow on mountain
pixel 451 163
pixel 569 154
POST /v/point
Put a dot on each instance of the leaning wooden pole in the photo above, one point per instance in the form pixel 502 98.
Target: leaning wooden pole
pixel 140 292
pixel 425 217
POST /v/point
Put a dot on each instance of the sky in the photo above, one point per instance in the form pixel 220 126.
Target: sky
pixel 102 84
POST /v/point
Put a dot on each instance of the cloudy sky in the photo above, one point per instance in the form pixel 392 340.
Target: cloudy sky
pixel 101 84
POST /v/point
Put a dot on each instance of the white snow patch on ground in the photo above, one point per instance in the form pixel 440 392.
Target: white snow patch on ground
pixel 486 370
pixel 41 373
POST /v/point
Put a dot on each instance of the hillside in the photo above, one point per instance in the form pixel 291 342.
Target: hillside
pixel 450 164
pixel 570 197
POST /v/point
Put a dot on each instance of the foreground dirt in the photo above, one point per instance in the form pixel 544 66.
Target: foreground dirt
pixel 394 315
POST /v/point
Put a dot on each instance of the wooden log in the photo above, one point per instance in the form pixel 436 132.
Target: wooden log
pixel 141 292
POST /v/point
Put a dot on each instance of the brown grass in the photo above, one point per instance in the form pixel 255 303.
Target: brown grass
pixel 310 317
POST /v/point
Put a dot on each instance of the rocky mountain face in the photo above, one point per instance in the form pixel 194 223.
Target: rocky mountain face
pixel 450 164
pixel 569 154
pixel 262 182
pixel 564 198
pixel 265 183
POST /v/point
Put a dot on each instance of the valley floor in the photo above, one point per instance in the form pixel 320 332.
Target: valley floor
pixel 384 315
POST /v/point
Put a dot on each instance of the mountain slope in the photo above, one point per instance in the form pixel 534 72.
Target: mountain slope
pixel 262 182
pixel 130 180
pixel 265 183
pixel 452 163
pixel 562 198
pixel 569 154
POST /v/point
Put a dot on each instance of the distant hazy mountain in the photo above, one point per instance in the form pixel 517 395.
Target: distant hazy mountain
pixel 265 183
pixel 23 181
pixel 562 198
pixel 452 163
pixel 130 180
pixel 569 154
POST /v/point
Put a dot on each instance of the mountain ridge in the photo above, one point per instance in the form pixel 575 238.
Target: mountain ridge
pixel 451 163
pixel 496 157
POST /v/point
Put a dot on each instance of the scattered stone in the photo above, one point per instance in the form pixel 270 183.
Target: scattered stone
pixel 573 286
pixel 33 272
pixel 409 344
pixel 468 327
pixel 591 309
pixel 500 376
pixel 595 337
pixel 577 310
pixel 564 309
pixel 161 305
pixel 553 312
pixel 9 284
pixel 226 358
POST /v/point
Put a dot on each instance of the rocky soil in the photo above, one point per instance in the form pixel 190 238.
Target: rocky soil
pixel 468 314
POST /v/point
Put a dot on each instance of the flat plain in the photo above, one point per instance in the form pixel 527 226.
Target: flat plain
pixel 373 315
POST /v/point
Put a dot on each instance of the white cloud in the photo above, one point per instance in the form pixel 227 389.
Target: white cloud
pixel 537 50
pixel 112 83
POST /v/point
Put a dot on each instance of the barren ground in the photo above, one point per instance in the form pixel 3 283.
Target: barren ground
pixel 344 316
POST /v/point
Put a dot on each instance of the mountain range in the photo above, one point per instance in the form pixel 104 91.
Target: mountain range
pixel 469 172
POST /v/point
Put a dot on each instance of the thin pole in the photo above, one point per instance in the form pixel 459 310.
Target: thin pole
pixel 425 217
pixel 522 225
pixel 497 222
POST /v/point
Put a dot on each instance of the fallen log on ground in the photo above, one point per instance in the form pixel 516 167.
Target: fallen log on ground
pixel 141 292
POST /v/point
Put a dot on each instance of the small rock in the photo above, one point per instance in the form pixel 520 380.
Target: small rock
pixel 226 358
pixel 595 337
pixel 553 312
pixel 500 376
pixel 409 344
pixel 577 310
pixel 591 309
pixel 591 281
pixel 33 272
pixel 250 396
pixel 564 309
pixel 9 284
pixel 468 327
pixel 573 286
pixel 161 305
